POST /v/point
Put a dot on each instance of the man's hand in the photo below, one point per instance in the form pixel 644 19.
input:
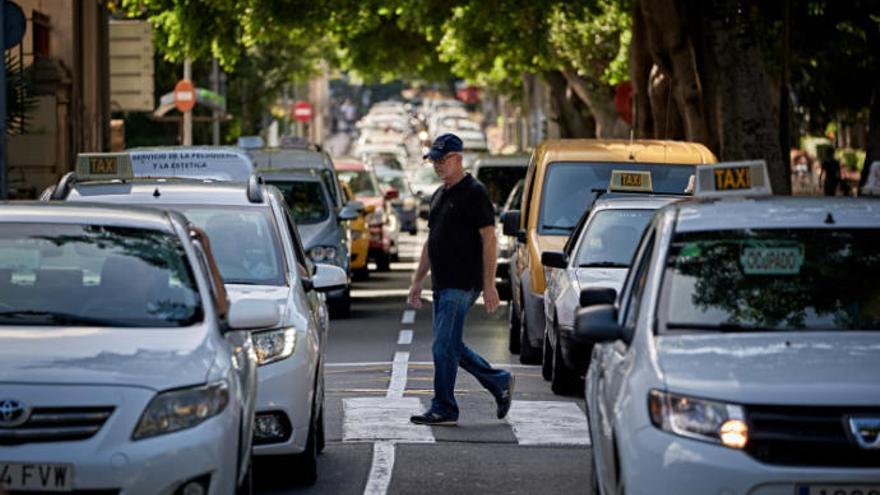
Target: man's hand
pixel 491 299
pixel 414 298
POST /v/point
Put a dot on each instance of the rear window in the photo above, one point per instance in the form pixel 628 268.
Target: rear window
pixel 305 199
pixel 71 275
pixel 499 181
pixel 773 280
pixel 569 188
pixel 611 237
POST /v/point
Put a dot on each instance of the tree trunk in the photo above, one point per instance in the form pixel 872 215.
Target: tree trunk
pixel 748 130
pixel 667 119
pixel 601 105
pixel 571 122
pixel 640 66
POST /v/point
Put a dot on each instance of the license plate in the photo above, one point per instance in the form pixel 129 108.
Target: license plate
pixel 36 476
pixel 838 490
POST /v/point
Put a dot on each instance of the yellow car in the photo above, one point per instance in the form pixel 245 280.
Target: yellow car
pixel 360 239
pixel 562 181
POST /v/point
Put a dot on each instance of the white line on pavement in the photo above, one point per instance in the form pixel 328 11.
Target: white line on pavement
pixel 370 419
pixel 381 469
pixel 409 317
pixel 421 363
pixel 398 376
pixel 548 423
pixel 406 337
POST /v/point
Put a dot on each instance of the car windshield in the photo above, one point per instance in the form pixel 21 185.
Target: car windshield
pixel 499 181
pixel 772 280
pixel 361 182
pixel 243 240
pixel 395 181
pixel 611 237
pixel 569 188
pixel 75 275
pixel 305 199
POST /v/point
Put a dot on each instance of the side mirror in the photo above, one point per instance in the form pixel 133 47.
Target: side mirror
pixel 592 296
pixel 247 314
pixel 392 193
pixel 328 278
pixel 598 323
pixel 347 213
pixel 554 259
pixel 511 220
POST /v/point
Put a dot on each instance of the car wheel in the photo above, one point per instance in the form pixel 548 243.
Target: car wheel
pixel 383 262
pixel 360 274
pixel 513 328
pixel 528 354
pixel 414 231
pixel 562 380
pixel 247 484
pixel 547 359
pixel 342 307
pixel 306 464
pixel 321 441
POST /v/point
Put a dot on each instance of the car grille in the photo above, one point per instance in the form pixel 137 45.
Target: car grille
pixel 807 436
pixel 57 424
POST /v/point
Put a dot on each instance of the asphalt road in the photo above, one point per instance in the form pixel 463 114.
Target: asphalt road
pixel 376 379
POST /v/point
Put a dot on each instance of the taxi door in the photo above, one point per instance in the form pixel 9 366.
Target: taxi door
pixel 613 360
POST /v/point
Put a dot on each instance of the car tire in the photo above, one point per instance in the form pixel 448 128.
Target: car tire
pixel 320 437
pixel 360 274
pixel 513 328
pixel 547 358
pixel 562 380
pixel 528 354
pixel 247 485
pixel 383 262
pixel 414 231
pixel 306 463
pixel 342 307
pixel 593 483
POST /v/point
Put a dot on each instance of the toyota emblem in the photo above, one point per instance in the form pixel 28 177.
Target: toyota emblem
pixel 13 413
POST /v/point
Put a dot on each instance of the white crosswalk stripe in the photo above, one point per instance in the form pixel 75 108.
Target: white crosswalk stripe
pixel 548 423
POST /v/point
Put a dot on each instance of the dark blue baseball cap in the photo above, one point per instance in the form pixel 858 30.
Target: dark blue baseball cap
pixel 443 145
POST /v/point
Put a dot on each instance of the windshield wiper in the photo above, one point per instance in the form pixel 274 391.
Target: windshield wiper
pixel 34 317
pixel 558 227
pixel 722 327
pixel 603 264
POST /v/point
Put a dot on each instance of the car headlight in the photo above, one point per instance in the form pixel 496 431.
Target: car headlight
pixel 274 345
pixel 700 419
pixel 322 253
pixel 180 409
pixel 377 217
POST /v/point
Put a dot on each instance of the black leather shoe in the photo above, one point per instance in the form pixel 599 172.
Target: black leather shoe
pixel 431 418
pixel 506 398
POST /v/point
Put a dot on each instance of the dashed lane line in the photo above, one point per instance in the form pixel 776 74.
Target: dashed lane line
pixel 409 317
pixel 405 338
pixel 398 376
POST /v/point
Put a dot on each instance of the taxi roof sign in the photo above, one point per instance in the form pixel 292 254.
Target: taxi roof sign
pixel 631 181
pixel 193 163
pixel 733 179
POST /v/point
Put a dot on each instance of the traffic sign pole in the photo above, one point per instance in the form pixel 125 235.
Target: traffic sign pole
pixel 187 116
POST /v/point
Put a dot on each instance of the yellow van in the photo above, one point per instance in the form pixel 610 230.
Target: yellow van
pixel 561 183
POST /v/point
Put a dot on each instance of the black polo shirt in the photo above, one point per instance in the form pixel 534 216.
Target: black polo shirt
pixel 455 247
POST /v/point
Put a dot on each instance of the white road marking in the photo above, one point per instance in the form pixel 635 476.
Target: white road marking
pixel 409 317
pixel 381 469
pixel 548 423
pixel 368 419
pixel 421 363
pixel 371 293
pixel 398 376
pixel 406 337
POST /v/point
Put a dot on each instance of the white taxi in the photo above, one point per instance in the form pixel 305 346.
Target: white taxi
pixel 597 255
pixel 743 353
pixel 260 257
pixel 108 386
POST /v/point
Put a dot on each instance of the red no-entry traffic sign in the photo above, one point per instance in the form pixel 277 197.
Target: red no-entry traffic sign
pixel 302 111
pixel 184 95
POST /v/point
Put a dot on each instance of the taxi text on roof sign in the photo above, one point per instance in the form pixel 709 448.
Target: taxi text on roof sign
pixel 217 164
pixel 631 180
pixel 733 179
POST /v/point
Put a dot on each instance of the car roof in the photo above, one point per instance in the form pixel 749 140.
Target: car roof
pixel 627 201
pixel 774 212
pixel 82 213
pixel 299 174
pixel 281 158
pixel 623 150
pixel 350 165
pixel 503 161
pixel 170 191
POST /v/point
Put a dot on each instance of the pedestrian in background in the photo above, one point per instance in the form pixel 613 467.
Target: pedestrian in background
pixel 830 172
pixel 460 254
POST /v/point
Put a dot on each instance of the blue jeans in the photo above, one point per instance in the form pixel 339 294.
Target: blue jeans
pixel 450 308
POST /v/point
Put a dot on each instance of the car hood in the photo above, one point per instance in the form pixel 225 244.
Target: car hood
pixel 278 294
pixel 827 368
pixel 154 358
pixel 318 234
pixel 601 277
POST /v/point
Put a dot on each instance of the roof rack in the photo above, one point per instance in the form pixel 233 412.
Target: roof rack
pixel 254 189
pixel 298 143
